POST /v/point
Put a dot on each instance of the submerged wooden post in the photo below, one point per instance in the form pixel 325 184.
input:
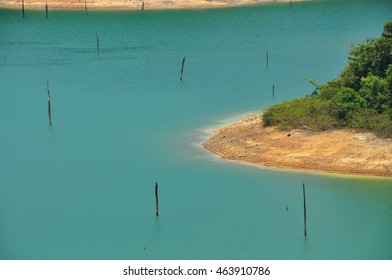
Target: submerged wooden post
pixel 143 6
pixel 46 10
pixel 85 7
pixel 303 191
pixel 156 200
pixel 97 45
pixel 182 68
pixel 49 111
pixel 273 90
pixel 266 54
pixel 23 13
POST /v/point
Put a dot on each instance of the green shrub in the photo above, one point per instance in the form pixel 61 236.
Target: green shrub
pixel 360 98
pixel 371 120
pixel 312 112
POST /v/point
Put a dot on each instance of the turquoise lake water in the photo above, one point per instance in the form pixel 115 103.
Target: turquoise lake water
pixel 83 188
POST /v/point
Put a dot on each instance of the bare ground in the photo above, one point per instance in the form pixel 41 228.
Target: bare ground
pixel 337 151
pixel 128 4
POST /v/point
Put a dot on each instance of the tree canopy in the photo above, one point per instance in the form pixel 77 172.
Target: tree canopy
pixel 359 98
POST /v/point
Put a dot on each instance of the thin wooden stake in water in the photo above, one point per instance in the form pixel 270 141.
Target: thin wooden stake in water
pixel 23 13
pixel 49 111
pixel 46 10
pixel 303 190
pixel 143 6
pixel 273 91
pixel 182 68
pixel 85 7
pixel 97 45
pixel 267 58
pixel 156 200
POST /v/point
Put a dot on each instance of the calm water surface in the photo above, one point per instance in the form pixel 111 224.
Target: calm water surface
pixel 83 188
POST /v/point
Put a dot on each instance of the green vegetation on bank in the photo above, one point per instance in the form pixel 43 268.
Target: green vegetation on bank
pixel 359 98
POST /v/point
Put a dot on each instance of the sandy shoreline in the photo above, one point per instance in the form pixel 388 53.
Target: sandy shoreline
pixel 338 151
pixel 129 4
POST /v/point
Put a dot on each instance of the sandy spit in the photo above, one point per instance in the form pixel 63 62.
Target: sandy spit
pixel 337 151
pixel 128 4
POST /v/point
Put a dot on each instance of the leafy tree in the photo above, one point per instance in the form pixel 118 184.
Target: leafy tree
pixel 375 91
pixel 387 33
pixel 360 98
pixel 389 78
pixel 372 57
pixel 346 100
pixel 362 60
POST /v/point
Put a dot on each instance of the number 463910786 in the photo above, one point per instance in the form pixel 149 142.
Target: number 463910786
pixel 250 270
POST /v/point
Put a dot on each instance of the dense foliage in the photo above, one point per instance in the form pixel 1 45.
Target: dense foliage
pixel 359 98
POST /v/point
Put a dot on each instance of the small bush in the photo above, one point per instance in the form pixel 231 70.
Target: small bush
pixel 371 120
pixel 310 111
pixel 360 98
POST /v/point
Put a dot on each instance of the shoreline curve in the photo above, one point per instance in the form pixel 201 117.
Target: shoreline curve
pixel 344 152
pixel 130 4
